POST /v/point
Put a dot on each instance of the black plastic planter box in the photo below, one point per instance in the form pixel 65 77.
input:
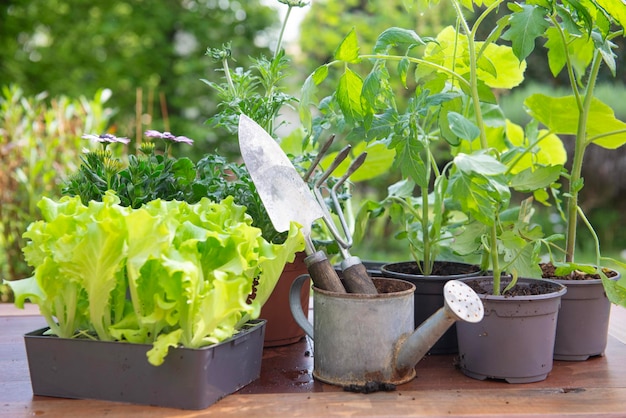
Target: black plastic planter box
pixel 116 371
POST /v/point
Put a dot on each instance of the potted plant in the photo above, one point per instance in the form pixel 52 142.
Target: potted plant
pixel 579 42
pixel 427 222
pixel 260 93
pixel 129 272
pixel 491 157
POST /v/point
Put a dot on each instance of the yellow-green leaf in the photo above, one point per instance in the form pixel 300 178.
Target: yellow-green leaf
pixel 348 50
pixel 560 115
pixel 349 95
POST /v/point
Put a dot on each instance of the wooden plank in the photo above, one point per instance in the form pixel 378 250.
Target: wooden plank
pixel 286 388
pixel 518 402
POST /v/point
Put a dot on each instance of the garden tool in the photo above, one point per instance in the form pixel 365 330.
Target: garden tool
pixel 286 196
pixel 355 278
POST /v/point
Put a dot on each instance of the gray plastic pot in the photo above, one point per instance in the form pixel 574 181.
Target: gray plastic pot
pixel 119 371
pixel 515 340
pixel 583 326
pixel 429 294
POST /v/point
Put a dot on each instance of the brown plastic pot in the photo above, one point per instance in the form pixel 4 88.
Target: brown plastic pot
pixel 281 328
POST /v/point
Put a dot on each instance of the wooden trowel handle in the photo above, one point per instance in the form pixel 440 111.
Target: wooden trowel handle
pixel 356 280
pixel 322 273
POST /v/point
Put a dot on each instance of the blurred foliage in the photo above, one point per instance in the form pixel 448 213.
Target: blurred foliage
pixel 40 143
pixel 328 22
pixel 75 47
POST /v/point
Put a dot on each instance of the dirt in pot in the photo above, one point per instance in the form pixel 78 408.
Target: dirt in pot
pixel 440 268
pixel 535 287
pixel 549 272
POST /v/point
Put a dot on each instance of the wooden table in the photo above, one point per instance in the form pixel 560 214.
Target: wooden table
pixel 286 388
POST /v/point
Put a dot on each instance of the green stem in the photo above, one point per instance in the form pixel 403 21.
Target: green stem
pixel 473 59
pixel 414 60
pixel 473 83
pixel 569 66
pixel 229 79
pixel 577 163
pixel 282 32
pixel 526 151
pixel 596 240
pixel 495 263
pixel 605 134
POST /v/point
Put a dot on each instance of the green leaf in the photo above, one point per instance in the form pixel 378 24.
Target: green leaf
pixel 526 25
pixel 383 125
pixel 462 127
pixel 606 50
pixel 378 162
pixel 156 355
pixel 409 159
pixel 519 255
pixel 479 163
pixel 538 178
pixel 348 50
pixel 320 74
pixel 580 50
pixel 349 95
pixel 474 196
pixel 582 14
pixel 560 115
pixel 614 8
pixel 394 37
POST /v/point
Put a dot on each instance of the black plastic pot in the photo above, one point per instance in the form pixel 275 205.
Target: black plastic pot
pixel 118 371
pixel 429 293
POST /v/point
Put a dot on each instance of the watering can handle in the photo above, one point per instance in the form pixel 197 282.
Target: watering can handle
pixel 296 306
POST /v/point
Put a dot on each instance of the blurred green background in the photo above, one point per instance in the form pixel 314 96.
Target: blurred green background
pixel 69 67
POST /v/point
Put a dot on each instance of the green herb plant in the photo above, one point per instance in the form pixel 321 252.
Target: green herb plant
pixel 154 174
pixel 578 36
pixel 491 155
pixel 260 92
pixel 150 175
pixel 257 92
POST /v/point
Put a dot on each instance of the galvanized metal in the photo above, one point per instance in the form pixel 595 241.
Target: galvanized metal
pixel 284 194
pixel 361 338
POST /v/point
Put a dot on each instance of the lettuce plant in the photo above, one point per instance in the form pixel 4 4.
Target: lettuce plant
pixel 188 270
pixel 158 250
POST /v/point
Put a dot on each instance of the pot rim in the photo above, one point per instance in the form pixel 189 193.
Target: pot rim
pixel 562 289
pixel 385 268
pixel 409 290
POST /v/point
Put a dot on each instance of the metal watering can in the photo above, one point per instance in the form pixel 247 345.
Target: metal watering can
pixel 363 327
pixel 364 338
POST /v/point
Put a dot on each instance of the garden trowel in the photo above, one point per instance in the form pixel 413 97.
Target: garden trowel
pixel 286 196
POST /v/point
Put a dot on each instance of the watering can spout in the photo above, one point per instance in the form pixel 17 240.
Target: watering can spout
pixel 461 304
